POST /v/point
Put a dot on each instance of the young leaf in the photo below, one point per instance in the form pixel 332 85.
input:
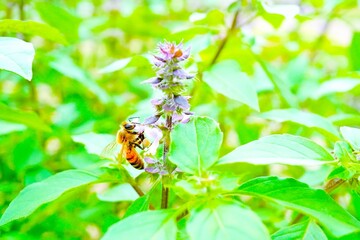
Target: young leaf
pixel 284 149
pixel 32 27
pixel 60 18
pixel 159 224
pixel 16 56
pixel 122 192
pixel 37 194
pixel 307 230
pixel 227 78
pixel 8 127
pixel 94 142
pixel 225 220
pixel 195 145
pixel 336 85
pixel 29 119
pixel 352 135
pixel 115 66
pixel 354 51
pixel 307 119
pixel 299 196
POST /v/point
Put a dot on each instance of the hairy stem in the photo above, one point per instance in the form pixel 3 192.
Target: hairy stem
pixel 165 178
pixel 226 38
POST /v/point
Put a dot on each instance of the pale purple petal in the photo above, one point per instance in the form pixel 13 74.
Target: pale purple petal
pixel 153 80
pixel 157 101
pixel 151 120
pixel 152 169
pixel 169 107
pixel 182 102
pixel 149 160
pixel 177 117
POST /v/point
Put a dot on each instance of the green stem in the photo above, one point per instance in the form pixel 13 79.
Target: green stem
pixel 166 178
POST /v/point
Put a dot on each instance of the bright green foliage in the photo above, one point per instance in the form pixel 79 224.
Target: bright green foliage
pixel 158 224
pixel 37 194
pixel 32 27
pixel 310 120
pixel 225 220
pixel 16 56
pixel 284 149
pixel 26 118
pixel 352 135
pixel 196 145
pixel 271 88
pixel 299 196
pixel 122 192
pixel 226 78
pixel 307 230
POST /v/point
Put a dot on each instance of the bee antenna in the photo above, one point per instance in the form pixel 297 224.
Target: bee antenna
pixel 131 119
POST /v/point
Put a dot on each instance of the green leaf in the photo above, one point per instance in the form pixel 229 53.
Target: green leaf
pixel 16 56
pixel 94 142
pixel 280 86
pixel 122 192
pixel 354 51
pixel 225 220
pixel 60 18
pixel 352 135
pixel 342 173
pixel 267 12
pixel 115 66
pixel 307 119
pixel 27 153
pixel 37 194
pixel 29 119
pixel 159 224
pixel 300 197
pixel 226 78
pixel 284 149
pixel 139 205
pixel 66 66
pixel 335 86
pixel 34 28
pixel 342 119
pixel 8 127
pixel 307 230
pixel 344 153
pixel 195 145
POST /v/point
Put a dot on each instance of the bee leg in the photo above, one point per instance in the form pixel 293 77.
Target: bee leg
pixel 139 146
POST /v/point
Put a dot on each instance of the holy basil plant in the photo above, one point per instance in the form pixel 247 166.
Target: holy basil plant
pixel 188 184
pixel 207 204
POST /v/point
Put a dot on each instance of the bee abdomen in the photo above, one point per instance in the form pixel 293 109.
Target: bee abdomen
pixel 134 159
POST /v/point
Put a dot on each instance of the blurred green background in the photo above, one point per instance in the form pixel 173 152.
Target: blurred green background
pixel 302 57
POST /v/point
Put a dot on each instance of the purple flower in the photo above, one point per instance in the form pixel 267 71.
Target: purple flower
pixel 149 160
pixel 152 169
pixel 151 120
pixel 182 102
pixel 153 80
pixel 157 101
pixel 171 51
pixel 169 106
pixel 181 74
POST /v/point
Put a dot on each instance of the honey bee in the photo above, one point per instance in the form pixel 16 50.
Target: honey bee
pixel 129 138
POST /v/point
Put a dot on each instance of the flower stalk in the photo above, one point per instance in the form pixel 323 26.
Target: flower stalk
pixel 171 109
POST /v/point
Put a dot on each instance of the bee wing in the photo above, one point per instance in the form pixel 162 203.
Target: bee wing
pixel 110 150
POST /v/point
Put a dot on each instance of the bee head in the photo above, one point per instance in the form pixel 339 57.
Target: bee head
pixel 128 125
